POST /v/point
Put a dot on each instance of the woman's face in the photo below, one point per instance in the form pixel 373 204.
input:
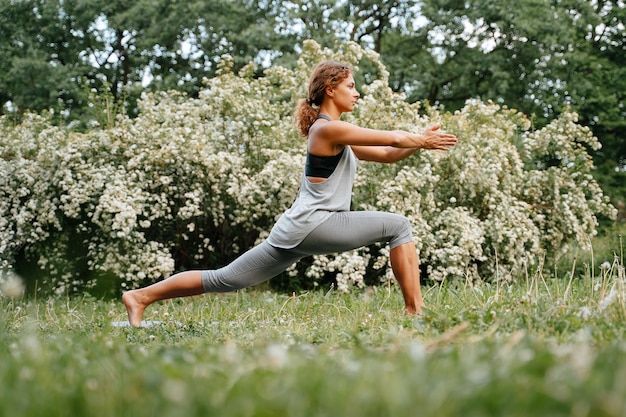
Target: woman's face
pixel 345 94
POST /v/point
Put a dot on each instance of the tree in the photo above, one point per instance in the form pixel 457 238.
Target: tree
pixel 192 182
pixel 40 64
pixel 541 57
pixel 55 52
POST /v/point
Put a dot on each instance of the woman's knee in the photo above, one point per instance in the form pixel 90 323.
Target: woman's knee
pixel 402 231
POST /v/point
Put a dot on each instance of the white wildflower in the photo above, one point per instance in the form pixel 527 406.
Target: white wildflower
pixel 11 285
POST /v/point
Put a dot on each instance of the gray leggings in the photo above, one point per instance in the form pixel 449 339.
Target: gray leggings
pixel 343 231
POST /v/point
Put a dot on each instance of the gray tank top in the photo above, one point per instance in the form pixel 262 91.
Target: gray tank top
pixel 315 203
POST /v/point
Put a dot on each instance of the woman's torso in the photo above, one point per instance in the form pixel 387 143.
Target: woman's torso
pixel 315 202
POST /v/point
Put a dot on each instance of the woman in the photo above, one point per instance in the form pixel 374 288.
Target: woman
pixel 320 220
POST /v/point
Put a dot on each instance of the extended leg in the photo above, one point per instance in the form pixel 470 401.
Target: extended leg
pixel 405 266
pixel 256 265
pixel 184 284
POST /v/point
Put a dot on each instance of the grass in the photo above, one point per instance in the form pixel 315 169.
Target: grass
pixel 546 346
pixel 549 345
pixel 608 246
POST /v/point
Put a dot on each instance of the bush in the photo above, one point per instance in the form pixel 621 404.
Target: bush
pixel 193 182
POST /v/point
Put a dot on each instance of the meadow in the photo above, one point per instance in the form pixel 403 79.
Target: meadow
pixel 193 181
pixel 547 345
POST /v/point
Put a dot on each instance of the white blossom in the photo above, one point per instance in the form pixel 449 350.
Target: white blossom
pixel 215 172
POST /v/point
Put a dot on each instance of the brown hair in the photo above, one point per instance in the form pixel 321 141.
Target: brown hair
pixel 327 73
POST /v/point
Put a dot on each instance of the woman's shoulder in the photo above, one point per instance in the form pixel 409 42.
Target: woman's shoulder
pixel 332 129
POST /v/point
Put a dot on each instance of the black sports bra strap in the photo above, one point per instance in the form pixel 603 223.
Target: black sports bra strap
pixel 323 116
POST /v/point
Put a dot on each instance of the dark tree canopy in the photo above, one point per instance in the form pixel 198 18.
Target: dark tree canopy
pixel 538 56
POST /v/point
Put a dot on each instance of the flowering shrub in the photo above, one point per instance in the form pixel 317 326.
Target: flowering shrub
pixel 193 182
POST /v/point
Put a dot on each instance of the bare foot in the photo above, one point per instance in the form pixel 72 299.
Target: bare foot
pixel 134 307
pixel 414 310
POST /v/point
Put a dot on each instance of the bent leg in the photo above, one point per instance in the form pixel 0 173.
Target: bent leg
pixel 405 267
pixel 349 230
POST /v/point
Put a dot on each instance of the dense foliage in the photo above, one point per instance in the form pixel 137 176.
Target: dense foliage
pixel 538 56
pixel 193 182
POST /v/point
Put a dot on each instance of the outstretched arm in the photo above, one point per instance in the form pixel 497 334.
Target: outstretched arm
pixel 432 138
pixel 328 138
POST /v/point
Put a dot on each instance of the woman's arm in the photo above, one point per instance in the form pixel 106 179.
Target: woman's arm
pixel 377 145
pixel 343 133
pixel 386 154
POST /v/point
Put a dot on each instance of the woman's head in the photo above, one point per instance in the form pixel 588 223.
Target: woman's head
pixel 325 74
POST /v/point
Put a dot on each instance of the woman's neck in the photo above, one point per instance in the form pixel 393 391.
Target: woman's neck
pixel 333 113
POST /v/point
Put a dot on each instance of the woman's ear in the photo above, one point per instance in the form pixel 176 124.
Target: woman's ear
pixel 329 91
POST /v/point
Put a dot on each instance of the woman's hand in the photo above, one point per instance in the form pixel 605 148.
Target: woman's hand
pixel 434 139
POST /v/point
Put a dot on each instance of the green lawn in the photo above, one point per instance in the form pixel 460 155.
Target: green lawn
pixel 542 347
